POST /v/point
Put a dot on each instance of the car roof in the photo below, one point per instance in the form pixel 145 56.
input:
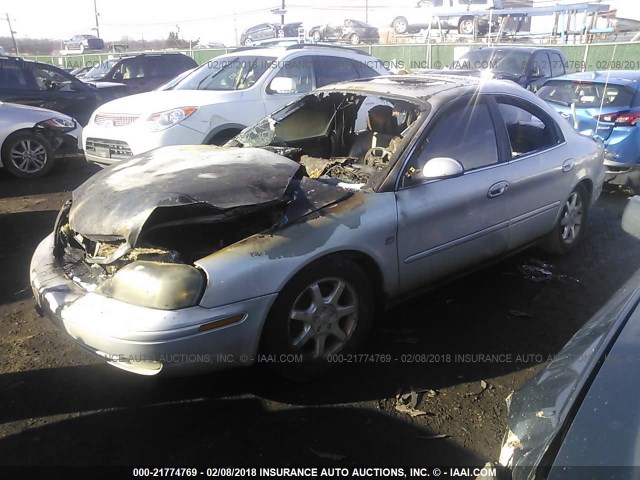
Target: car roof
pixel 282 50
pixel 515 48
pixel 622 77
pixel 423 87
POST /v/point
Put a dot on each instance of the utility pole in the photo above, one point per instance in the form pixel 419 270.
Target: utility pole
pixel 95 10
pixel 15 45
pixel 366 11
pixel 282 16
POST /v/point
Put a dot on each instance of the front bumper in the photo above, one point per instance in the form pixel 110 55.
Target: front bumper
pixel 116 144
pixel 622 174
pixel 142 340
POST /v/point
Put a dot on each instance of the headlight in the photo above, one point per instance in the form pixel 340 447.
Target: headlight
pixel 60 123
pixel 162 120
pixel 166 286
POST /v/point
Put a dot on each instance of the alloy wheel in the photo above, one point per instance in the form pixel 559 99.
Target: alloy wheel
pixel 323 317
pixel 29 156
pixel 571 220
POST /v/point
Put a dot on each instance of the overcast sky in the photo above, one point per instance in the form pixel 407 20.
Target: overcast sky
pixel 208 20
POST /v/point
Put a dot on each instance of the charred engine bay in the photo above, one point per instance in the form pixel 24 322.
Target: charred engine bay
pixel 186 233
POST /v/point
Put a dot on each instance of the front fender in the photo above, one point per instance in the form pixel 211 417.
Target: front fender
pixel 263 264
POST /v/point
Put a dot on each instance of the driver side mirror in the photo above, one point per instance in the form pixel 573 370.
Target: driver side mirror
pixel 283 85
pixel 440 168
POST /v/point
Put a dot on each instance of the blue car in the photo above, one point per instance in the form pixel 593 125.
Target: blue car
pixel 607 105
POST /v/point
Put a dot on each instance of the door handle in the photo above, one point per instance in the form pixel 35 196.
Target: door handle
pixel 568 165
pixel 497 189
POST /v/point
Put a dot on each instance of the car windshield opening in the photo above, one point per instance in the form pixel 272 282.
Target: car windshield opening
pixel 101 69
pixel 587 94
pixel 508 61
pixel 229 73
pixel 343 136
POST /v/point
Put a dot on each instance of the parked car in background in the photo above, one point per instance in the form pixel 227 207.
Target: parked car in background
pixel 264 31
pixel 82 43
pixel 291 235
pixel 350 31
pixel 458 15
pixel 141 73
pixel 30 138
pixel 607 105
pixel 579 417
pixel 42 85
pixel 529 67
pixel 80 72
pixel 220 98
pixel 210 46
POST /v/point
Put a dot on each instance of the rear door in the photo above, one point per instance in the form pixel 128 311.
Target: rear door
pixel 16 83
pixel 447 225
pixel 539 168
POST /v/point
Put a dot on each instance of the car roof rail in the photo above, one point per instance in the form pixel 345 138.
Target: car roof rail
pixel 299 46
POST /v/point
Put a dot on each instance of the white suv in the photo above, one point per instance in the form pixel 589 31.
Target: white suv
pixel 217 100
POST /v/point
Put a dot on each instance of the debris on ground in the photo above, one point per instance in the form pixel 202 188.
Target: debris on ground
pixel 539 271
pixel 520 314
pixel 483 386
pixel 434 437
pixel 330 456
pixel 407 403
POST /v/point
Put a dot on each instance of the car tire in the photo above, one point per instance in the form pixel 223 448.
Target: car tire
pixel 280 33
pixel 248 42
pixel 316 36
pixel 223 137
pixel 354 39
pixel 325 310
pixel 27 155
pixel 570 227
pixel 400 26
pixel 466 26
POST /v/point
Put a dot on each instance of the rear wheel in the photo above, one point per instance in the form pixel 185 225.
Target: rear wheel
pixel 316 36
pixel 248 42
pixel 466 26
pixel 354 39
pixel 571 225
pixel 400 25
pixel 325 310
pixel 27 155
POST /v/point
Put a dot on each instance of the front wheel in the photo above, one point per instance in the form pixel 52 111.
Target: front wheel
pixel 248 42
pixel 570 227
pixel 324 311
pixel 27 155
pixel 354 39
pixel 466 26
pixel 316 36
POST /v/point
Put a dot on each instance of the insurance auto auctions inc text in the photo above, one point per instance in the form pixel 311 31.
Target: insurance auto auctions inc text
pixel 376 472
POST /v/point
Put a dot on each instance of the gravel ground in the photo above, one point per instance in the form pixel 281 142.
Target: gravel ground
pixel 462 349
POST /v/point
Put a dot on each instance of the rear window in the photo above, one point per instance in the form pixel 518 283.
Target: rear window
pixel 587 94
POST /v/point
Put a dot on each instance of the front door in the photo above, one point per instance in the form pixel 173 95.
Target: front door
pixel 447 225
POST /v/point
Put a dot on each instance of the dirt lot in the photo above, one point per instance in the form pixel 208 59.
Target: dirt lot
pixel 58 405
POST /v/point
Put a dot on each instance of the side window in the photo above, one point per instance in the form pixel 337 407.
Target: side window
pixel 12 77
pixel 129 69
pixel 465 133
pixel 364 70
pixel 162 66
pixel 530 129
pixel 557 65
pixel 333 69
pixel 540 66
pixel 48 78
pixel 300 70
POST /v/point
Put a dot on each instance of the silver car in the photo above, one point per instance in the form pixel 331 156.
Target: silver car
pixel 30 137
pixel 281 245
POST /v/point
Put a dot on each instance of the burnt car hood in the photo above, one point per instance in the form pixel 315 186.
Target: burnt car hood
pixel 116 202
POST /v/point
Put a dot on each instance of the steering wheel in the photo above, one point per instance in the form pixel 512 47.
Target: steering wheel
pixel 377 155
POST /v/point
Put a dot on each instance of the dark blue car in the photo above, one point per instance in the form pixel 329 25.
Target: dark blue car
pixel 607 105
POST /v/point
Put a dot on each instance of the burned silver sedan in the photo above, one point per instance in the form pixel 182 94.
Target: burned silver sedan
pixel 283 243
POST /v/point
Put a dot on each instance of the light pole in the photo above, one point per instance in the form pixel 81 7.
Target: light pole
pixel 15 45
pixel 95 10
